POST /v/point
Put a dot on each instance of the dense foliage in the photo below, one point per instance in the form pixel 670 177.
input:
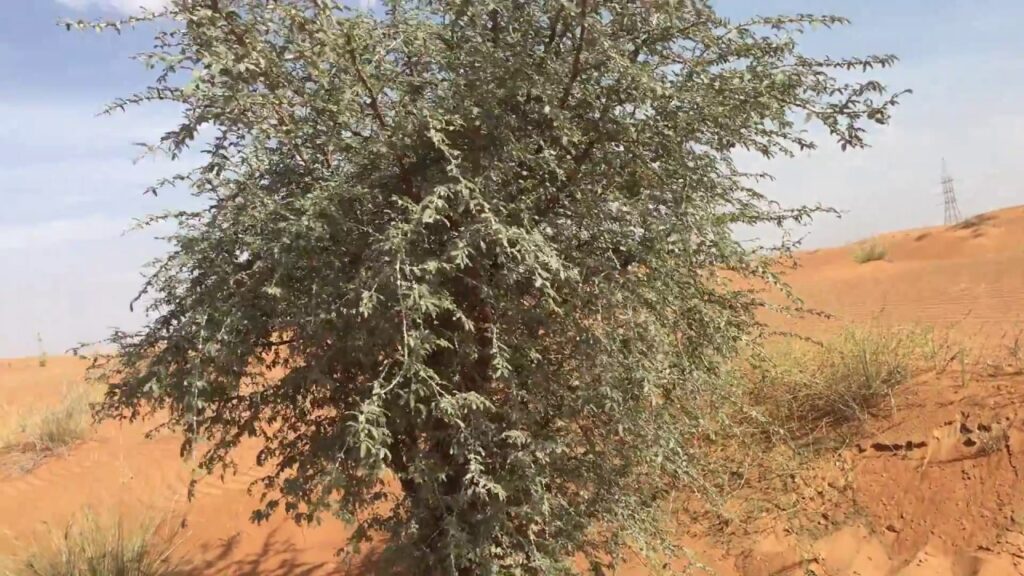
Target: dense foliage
pixel 459 268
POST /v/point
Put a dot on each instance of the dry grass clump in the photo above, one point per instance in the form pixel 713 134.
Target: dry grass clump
pixel 806 390
pixel 788 409
pixel 789 405
pixel 797 398
pixel 26 440
pixel 10 426
pixel 870 252
pixel 66 424
pixel 89 546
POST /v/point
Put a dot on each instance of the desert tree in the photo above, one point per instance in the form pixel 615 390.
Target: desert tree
pixel 465 270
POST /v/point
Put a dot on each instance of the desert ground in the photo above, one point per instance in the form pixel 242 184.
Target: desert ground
pixel 932 486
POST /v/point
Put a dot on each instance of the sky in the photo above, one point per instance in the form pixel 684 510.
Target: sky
pixel 70 186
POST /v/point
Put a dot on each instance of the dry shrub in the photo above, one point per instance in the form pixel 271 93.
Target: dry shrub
pixel 808 391
pixel 66 424
pixel 89 546
pixel 789 408
pixel 939 348
pixel 784 405
pixel 870 253
pixel 792 403
pixel 27 440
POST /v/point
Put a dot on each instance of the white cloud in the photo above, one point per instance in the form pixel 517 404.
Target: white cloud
pixel 59 164
pixel 68 125
pixel 121 6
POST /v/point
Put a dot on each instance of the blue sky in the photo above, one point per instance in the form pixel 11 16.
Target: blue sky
pixel 69 187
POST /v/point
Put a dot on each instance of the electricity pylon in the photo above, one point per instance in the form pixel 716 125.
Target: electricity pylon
pixel 949 198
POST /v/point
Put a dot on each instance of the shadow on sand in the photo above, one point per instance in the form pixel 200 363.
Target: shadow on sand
pixel 277 556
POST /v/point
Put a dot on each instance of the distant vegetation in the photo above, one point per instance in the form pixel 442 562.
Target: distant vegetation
pixel 43 358
pixel 975 222
pixel 870 252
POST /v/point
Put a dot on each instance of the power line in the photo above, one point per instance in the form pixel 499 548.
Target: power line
pixel 949 198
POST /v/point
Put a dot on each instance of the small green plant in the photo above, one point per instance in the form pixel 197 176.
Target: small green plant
pixel 870 252
pixel 43 359
pixel 89 546
pixel 962 355
pixel 1015 351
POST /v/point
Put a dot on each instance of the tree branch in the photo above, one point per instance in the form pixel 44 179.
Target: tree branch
pixel 579 159
pixel 378 114
pixel 375 108
pixel 555 21
pixel 580 41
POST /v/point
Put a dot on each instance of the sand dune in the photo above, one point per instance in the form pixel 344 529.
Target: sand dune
pixel 971 275
pixel 950 504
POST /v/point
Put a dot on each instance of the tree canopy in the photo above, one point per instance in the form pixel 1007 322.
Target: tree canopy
pixel 459 264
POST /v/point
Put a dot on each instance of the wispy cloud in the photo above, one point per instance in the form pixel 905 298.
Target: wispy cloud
pixel 35 235
pixel 119 6
pixel 68 191
pixel 59 161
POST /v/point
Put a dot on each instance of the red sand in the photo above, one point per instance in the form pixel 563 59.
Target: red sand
pixel 952 506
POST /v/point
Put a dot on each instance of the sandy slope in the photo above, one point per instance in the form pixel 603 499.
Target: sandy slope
pixel 118 471
pixel 971 275
pixel 935 489
pixel 947 500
